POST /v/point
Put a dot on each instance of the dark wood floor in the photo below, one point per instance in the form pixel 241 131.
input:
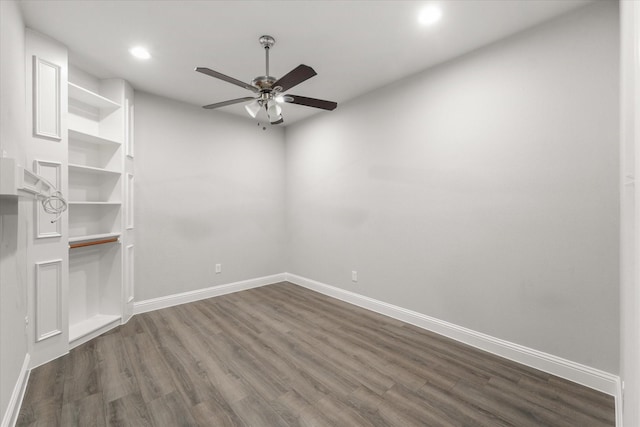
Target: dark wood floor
pixel 282 355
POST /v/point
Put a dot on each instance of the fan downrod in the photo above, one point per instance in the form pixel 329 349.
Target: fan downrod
pixel 265 82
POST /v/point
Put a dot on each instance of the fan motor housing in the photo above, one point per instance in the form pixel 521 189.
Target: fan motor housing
pixel 264 82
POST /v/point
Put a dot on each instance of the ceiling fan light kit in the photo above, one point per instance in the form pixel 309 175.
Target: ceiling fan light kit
pixel 269 91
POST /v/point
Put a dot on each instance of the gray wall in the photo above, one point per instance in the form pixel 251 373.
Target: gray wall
pixel 209 189
pixel 13 284
pixel 483 192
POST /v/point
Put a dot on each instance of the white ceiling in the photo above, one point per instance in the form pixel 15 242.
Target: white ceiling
pixel 354 46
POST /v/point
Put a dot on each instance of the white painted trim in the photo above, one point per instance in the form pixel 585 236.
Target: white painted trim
pixel 38 165
pixel 129 121
pixel 42 304
pixel 199 294
pixel 630 212
pixel 572 371
pixel 15 402
pixel 129 201
pixel 37 114
pixel 51 358
pixel 95 333
pixel 129 267
pixel 619 405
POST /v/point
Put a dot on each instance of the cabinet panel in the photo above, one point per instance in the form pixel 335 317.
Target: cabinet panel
pixel 47 101
pixel 48 299
pixel 130 202
pixel 52 172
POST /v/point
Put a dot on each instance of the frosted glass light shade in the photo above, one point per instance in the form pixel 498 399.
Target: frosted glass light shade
pixel 274 111
pixel 253 108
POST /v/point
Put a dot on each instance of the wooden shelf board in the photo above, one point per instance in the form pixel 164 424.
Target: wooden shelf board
pixel 91 98
pixel 92 324
pixel 91 139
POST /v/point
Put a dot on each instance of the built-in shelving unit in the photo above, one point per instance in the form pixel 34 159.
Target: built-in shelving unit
pixel 86 96
pixel 97 126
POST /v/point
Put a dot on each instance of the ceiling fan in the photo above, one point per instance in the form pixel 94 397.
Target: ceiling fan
pixel 269 90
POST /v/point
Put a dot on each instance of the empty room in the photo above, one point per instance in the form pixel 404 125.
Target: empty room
pixel 319 213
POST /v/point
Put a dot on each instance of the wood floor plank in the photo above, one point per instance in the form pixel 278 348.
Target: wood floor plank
pixel 212 413
pixel 417 409
pixel 282 355
pixel 478 396
pixel 571 399
pixel 148 366
pixel 464 413
pixel 340 414
pixel 128 411
pixel 46 382
pixel 41 413
pixel 171 410
pixel 562 411
pixel 116 374
pixel 82 376
pixel 43 400
pixel 366 403
pixel 84 412
pixel 254 411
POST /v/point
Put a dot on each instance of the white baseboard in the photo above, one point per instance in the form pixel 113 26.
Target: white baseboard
pixel 619 413
pixel 11 414
pixel 572 371
pixel 199 294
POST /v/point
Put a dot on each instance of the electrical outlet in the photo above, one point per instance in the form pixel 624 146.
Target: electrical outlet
pixel 26 320
pixel 218 268
pixel 354 276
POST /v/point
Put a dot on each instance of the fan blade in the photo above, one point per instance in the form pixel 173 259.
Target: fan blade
pixel 227 79
pixel 310 102
pixel 230 102
pixel 294 77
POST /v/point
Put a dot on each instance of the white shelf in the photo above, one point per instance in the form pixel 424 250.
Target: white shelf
pixel 90 325
pixel 91 139
pixel 81 203
pixel 91 237
pixel 91 98
pixel 91 169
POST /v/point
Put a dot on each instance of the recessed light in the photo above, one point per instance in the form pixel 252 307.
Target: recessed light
pixel 140 52
pixel 430 15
